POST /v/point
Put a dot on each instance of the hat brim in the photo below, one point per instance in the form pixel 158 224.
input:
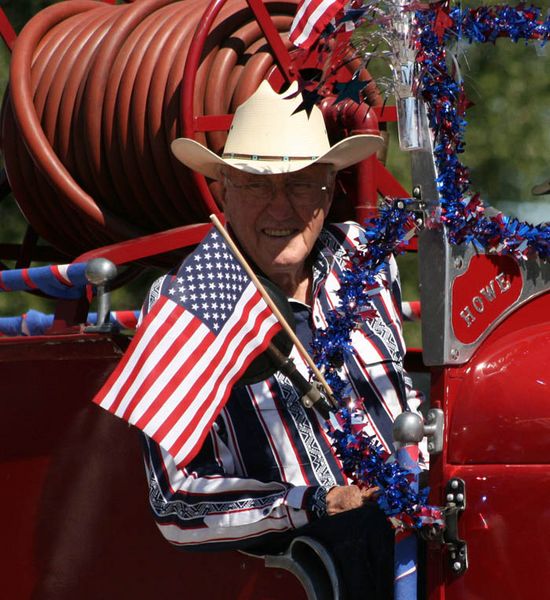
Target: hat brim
pixel 343 154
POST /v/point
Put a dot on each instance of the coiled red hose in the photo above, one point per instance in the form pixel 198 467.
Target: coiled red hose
pixel 94 102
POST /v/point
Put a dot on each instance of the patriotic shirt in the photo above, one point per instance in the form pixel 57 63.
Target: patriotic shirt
pixel 267 463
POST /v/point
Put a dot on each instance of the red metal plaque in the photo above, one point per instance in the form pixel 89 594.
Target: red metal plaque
pixel 490 285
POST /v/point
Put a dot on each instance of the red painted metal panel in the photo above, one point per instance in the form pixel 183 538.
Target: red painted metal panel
pixel 489 286
pixel 506 526
pixel 74 497
pixel 502 409
pixel 497 416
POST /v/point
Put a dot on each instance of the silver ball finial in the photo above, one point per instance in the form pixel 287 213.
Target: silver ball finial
pixel 100 270
pixel 408 428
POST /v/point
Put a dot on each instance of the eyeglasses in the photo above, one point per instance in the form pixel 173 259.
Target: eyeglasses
pixel 301 192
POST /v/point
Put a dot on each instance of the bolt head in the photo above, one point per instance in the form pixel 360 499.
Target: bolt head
pixel 457 566
pixel 100 270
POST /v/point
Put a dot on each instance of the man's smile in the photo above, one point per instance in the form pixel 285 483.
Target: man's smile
pixel 272 232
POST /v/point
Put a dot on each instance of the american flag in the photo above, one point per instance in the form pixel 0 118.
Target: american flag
pixel 311 19
pixel 207 326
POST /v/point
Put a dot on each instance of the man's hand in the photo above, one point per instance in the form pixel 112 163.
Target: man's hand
pixel 348 497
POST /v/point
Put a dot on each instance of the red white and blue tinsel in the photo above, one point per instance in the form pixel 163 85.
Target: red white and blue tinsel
pixel 463 214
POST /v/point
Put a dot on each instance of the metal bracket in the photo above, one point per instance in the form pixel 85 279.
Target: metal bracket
pixel 433 430
pixel 409 427
pixel 417 206
pixel 455 503
pixel 99 272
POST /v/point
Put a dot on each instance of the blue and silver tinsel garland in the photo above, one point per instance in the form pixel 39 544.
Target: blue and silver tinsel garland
pixel 464 215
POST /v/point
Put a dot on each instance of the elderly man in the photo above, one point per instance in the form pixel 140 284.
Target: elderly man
pixel 267 471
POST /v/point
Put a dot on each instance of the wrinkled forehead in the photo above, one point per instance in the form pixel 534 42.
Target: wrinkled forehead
pixel 318 171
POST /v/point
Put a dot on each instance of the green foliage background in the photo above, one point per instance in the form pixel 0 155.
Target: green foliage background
pixel 507 143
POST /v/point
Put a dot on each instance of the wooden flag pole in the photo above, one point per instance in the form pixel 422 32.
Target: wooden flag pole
pixel 288 329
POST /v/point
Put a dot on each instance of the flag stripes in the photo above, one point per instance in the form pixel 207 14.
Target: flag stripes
pixel 178 374
pixel 311 19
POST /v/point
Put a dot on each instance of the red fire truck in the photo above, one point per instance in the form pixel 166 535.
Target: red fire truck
pixel 96 93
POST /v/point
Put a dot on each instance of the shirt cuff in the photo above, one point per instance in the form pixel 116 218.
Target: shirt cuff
pixel 316 501
pixel 311 498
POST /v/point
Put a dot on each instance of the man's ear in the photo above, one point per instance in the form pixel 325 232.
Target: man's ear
pixel 220 190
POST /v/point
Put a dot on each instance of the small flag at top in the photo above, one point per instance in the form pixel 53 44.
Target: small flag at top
pixel 311 19
pixel 206 327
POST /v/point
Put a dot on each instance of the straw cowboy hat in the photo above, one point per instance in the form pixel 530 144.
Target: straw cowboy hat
pixel 268 137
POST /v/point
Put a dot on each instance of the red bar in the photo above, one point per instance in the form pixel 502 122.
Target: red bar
pixel 149 245
pixel 272 36
pixel 213 122
pixel 6 30
pixel 388 185
pixel 386 114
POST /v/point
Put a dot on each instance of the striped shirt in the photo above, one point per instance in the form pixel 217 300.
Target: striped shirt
pixel 268 462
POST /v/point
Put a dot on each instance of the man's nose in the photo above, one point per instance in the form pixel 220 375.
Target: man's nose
pixel 281 204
